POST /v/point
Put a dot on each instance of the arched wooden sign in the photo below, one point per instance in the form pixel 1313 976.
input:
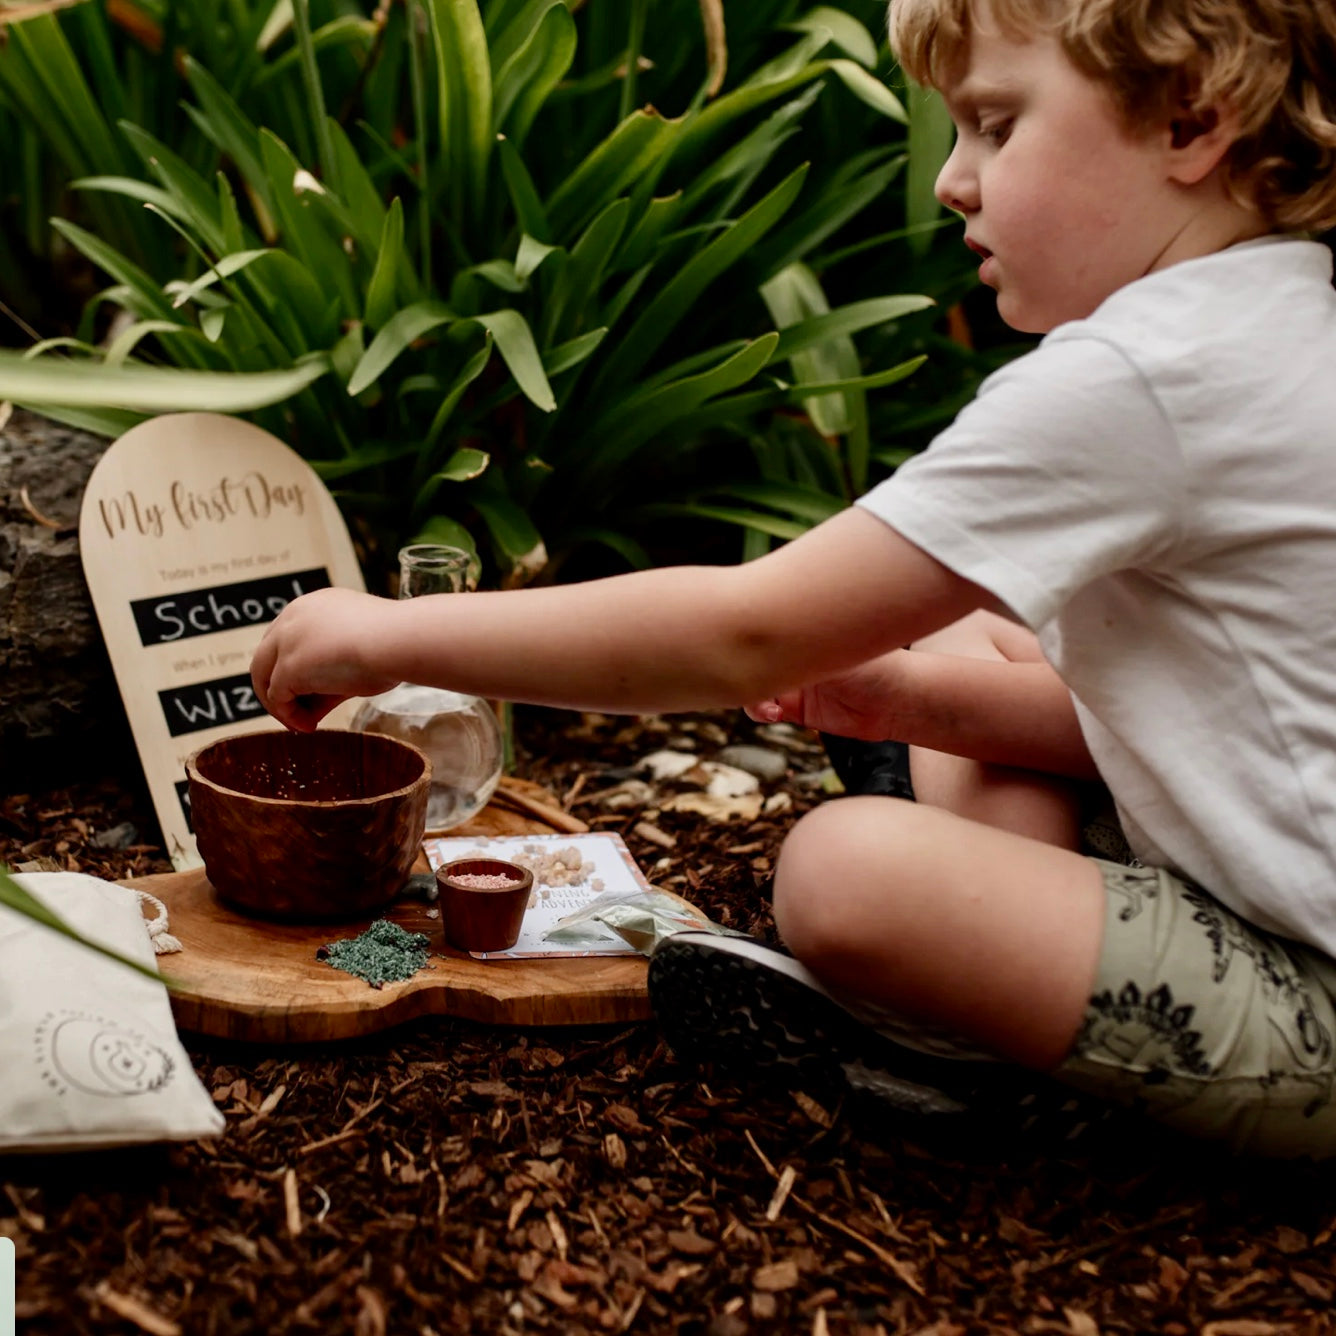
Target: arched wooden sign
pixel 196 531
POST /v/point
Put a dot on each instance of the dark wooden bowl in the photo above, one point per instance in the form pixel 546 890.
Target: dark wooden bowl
pixel 480 919
pixel 309 826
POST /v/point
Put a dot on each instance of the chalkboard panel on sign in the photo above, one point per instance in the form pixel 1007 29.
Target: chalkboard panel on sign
pixel 200 705
pixel 196 531
pixel 201 612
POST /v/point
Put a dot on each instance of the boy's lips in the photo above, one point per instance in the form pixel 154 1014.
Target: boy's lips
pixel 986 264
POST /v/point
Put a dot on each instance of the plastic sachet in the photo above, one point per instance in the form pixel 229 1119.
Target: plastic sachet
pixel 640 918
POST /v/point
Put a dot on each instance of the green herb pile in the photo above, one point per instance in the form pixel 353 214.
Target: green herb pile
pixel 384 953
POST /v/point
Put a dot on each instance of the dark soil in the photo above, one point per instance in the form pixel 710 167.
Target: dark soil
pixel 449 1178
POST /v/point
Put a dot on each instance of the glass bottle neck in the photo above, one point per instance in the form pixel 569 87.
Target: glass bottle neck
pixel 432 568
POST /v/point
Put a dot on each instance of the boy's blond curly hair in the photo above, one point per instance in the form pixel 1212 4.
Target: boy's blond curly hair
pixel 1271 61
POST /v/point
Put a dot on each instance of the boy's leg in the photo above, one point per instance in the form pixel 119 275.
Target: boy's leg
pixel 1043 807
pixel 944 920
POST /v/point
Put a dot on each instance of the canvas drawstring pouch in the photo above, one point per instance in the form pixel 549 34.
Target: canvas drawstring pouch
pixel 88 1047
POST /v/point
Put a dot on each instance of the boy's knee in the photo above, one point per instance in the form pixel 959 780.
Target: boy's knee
pixel 824 867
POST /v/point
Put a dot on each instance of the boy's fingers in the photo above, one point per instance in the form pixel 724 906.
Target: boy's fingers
pixel 304 713
pixel 764 712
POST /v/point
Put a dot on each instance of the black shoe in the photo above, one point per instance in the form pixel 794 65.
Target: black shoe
pixel 870 767
pixel 738 1002
pixel 754 1011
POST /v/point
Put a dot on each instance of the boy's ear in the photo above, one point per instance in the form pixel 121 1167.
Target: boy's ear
pixel 1199 138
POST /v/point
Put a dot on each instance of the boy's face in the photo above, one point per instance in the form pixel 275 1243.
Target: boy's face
pixel 1063 201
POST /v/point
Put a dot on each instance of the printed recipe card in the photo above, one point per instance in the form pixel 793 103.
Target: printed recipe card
pixel 569 871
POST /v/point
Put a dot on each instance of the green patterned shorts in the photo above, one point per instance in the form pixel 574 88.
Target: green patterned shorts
pixel 1207 1024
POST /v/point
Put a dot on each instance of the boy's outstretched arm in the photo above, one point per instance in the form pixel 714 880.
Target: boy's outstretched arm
pixel 681 638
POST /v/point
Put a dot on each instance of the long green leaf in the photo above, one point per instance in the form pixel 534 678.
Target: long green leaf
pixel 193 193
pixel 524 198
pixel 579 279
pixel 464 93
pixel 462 466
pixel 529 77
pixel 364 457
pixel 803 503
pixel 21 901
pixel 514 536
pixel 133 189
pixel 348 30
pixel 794 296
pixel 471 371
pixel 572 353
pixel 231 130
pixel 846 320
pixel 845 31
pixel 869 89
pixel 399 332
pixel 617 162
pixel 124 271
pixel 128 339
pixel 617 435
pixel 315 94
pixel 747 519
pixel 662 315
pixel 515 343
pixel 147 389
pixel 224 268
pixel 930 137
pixel 381 291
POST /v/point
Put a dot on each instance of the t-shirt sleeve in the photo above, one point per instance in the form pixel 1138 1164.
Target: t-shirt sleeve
pixel 1061 470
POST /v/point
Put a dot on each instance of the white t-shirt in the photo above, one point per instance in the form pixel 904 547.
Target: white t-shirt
pixel 1153 491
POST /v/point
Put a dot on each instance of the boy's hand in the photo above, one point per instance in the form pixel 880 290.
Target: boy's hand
pixel 318 653
pixel 856 704
pixel 1008 713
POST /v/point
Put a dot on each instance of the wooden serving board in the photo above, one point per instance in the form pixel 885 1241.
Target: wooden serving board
pixel 238 977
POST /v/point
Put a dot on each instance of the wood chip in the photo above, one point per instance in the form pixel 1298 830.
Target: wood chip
pixel 371 1317
pixel 776 1277
pixel 558 1235
pixel 1245 1326
pixel 782 1190
pixel 654 835
pixel 689 1242
pixel 812 1109
pixel 291 1204
pixel 1080 1323
pixel 518 1208
pixel 136 1311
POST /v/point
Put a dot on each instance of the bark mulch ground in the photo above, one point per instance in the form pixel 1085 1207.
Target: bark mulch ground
pixel 450 1178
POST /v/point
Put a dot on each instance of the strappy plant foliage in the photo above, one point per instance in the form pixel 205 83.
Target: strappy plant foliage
pixel 518 275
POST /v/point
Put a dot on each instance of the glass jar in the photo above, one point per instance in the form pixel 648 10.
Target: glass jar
pixel 459 733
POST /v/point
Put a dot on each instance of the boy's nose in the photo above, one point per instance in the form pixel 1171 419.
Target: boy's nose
pixel 957 188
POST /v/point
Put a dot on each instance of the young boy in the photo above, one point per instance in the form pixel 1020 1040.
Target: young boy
pixel 1117 564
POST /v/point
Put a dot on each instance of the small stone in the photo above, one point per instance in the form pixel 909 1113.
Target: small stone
pixel 668 764
pixel 728 781
pixel 121 836
pixel 765 763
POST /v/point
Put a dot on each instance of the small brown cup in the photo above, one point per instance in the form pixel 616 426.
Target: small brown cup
pixel 475 918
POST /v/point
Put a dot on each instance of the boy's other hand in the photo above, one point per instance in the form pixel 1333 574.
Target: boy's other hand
pixel 856 704
pixel 317 654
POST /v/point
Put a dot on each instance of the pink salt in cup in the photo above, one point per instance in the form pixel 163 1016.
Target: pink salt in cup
pixel 482 902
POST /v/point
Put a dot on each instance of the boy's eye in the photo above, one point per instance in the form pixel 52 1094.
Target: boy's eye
pixel 996 132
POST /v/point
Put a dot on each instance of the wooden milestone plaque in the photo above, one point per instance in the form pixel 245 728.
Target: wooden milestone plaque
pixel 196 531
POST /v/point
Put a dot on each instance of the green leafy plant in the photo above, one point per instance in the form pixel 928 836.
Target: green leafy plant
pixel 497 298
